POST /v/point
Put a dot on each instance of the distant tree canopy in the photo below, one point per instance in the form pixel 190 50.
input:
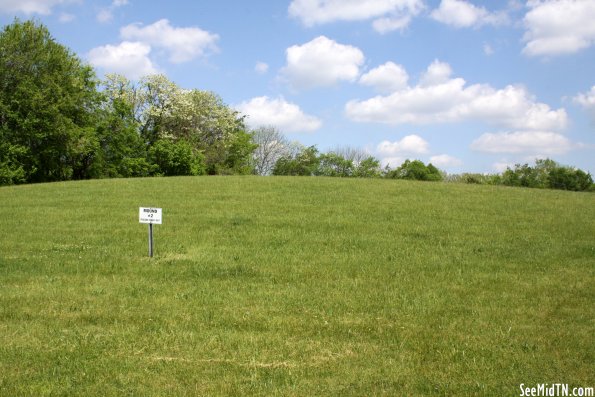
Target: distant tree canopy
pixel 209 136
pixel 308 161
pixel 415 170
pixel 58 122
pixel 547 174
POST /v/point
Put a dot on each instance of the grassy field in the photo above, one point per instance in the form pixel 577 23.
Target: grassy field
pixel 294 286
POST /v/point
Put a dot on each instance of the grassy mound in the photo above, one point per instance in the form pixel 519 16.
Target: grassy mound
pixel 294 286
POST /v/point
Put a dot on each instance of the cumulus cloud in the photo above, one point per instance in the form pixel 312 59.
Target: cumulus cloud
pixel 286 116
pixel 107 14
pixel 321 62
pixel 410 144
pixel 558 27
pixel 42 7
pixel 386 78
pixel 523 142
pixel 587 100
pixel 437 73
pixel 392 162
pixel 387 14
pixel 182 44
pixel 501 166
pixel 462 14
pixel 132 56
pixel 389 24
pixel 445 161
pixel 128 58
pixel 438 98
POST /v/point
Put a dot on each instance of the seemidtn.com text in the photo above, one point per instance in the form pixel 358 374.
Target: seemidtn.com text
pixel 555 390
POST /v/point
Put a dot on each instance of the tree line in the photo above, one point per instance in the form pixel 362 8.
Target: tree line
pixel 59 122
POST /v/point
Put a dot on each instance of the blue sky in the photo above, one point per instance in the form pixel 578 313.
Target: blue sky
pixel 468 85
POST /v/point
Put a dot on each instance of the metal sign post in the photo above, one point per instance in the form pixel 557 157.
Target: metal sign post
pixel 150 216
pixel 150 240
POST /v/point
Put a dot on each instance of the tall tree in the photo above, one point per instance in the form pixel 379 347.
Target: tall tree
pixel 272 145
pixel 165 111
pixel 48 103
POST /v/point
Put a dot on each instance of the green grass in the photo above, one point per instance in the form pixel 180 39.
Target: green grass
pixel 294 286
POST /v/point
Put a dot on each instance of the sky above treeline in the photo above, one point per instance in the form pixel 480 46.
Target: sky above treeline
pixel 471 86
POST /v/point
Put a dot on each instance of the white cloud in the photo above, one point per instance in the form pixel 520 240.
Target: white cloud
pixel 386 78
pixel 182 44
pixel 128 58
pixel 392 162
pixel 501 166
pixel 387 25
pixel 462 14
pixel 558 27
pixel 410 144
pixel 288 117
pixel 106 15
pixel 261 67
pixel 321 62
pixel 441 99
pixel 587 100
pixel 42 7
pixel 389 14
pixel 523 142
pixel 445 161
pixel 437 73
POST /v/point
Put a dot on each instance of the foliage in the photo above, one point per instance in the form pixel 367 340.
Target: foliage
pixel 475 179
pixel 369 167
pixel 415 170
pixel 308 161
pixel 547 174
pixel 239 158
pixel 163 110
pixel 304 162
pixel 271 146
pixel 175 158
pixel 123 152
pixel 56 125
pixel 11 167
pixel 48 100
pixel 332 164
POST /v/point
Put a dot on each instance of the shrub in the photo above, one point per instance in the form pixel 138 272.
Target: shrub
pixel 175 158
pixel 416 170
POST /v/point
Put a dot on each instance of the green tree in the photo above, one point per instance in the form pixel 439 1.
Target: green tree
pixel 122 151
pixel 368 168
pixel 175 158
pixel 332 164
pixel 272 145
pixel 416 170
pixel 163 110
pixel 547 174
pixel 48 102
pixel 304 162
pixel 568 178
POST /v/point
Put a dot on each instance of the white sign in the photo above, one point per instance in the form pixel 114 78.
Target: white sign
pixel 149 215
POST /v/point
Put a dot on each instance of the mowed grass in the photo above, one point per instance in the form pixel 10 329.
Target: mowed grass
pixel 294 286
